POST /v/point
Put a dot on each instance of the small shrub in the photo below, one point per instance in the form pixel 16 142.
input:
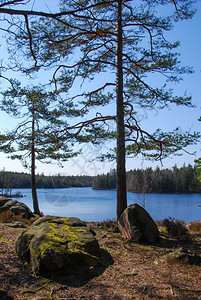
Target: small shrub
pixel 175 228
pixel 9 217
pixel 108 224
pixel 159 223
pixel 182 256
pixel 6 216
pixel 195 227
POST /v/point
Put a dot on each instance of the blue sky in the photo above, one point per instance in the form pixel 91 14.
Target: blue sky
pixel 189 35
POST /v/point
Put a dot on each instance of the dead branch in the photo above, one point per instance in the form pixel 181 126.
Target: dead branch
pixel 30 39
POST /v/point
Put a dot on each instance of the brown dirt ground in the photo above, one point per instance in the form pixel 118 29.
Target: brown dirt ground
pixel 127 271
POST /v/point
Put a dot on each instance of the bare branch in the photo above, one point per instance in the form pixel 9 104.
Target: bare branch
pixel 81 125
pixel 30 39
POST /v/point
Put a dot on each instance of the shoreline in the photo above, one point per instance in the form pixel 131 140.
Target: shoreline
pixel 6 196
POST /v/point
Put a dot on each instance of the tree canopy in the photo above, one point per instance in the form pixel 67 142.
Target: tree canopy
pixel 79 43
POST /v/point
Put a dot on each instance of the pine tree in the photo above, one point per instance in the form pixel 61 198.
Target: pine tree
pixel 87 38
pixel 37 135
pixel 198 163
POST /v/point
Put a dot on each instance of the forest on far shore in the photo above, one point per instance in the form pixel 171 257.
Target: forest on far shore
pixel 175 180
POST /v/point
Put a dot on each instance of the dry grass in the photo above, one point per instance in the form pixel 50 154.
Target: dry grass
pixel 108 224
pixel 9 217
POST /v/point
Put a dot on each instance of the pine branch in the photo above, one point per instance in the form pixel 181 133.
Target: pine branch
pixel 51 15
pixel 83 124
pixel 15 2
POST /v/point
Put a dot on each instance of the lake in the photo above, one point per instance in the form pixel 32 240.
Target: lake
pixel 98 205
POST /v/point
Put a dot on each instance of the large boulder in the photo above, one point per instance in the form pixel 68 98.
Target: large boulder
pixel 136 224
pixel 16 207
pixel 54 244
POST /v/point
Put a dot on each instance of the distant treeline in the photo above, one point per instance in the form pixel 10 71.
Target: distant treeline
pixel 23 180
pixel 175 180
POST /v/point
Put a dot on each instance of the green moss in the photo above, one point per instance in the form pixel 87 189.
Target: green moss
pixel 27 293
pixel 36 216
pixel 165 230
pixel 26 264
pixel 81 230
pixel 70 238
pixel 71 235
pixel 54 239
pixel 84 253
pixel 57 239
pixel 7 241
pixel 46 246
pixel 55 235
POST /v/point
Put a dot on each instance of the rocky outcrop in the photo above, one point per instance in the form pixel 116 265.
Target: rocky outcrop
pixel 56 244
pixel 136 224
pixel 16 207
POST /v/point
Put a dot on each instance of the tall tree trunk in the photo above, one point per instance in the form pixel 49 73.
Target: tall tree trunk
pixel 33 168
pixel 121 169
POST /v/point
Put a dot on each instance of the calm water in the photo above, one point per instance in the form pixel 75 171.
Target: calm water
pixel 98 205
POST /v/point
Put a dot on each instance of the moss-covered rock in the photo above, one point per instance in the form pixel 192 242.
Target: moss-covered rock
pixel 55 244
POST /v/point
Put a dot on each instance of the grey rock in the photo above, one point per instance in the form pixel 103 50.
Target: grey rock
pixel 136 224
pixel 16 207
pixel 3 201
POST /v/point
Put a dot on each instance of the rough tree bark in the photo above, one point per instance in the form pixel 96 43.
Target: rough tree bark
pixel 121 169
pixel 33 168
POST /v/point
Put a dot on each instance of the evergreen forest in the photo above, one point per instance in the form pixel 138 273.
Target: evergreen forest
pixel 10 180
pixel 175 180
